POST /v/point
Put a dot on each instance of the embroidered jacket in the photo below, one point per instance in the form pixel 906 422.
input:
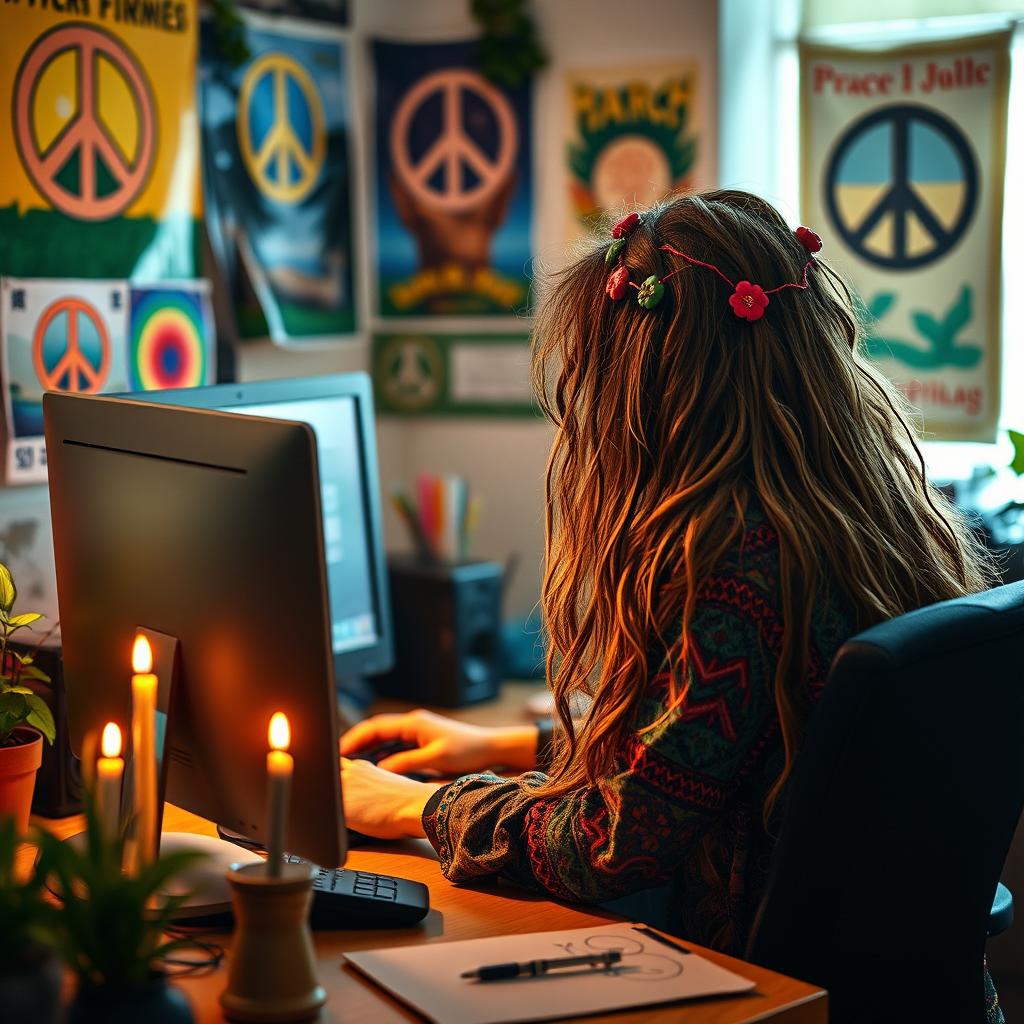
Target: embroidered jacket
pixel 684 803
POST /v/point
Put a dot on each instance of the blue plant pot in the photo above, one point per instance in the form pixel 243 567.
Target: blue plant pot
pixel 156 1003
pixel 31 993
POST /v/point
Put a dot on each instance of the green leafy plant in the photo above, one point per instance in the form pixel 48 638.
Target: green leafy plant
pixel 20 705
pixel 229 32
pixel 510 49
pixel 111 930
pixel 28 919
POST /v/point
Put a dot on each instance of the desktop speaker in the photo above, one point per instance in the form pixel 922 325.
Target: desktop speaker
pixel 447 626
pixel 58 791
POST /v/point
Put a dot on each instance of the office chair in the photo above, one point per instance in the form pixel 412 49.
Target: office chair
pixel 899 815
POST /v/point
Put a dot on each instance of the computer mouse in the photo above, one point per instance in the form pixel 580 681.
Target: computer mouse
pixel 376 753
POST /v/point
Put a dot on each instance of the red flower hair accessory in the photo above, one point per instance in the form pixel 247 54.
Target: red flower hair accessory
pixel 809 239
pixel 625 225
pixel 748 301
pixel 618 283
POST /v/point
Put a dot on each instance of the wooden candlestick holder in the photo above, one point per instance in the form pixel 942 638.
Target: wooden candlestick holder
pixel 272 969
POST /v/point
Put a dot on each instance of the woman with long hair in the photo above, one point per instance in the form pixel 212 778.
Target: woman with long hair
pixel 732 492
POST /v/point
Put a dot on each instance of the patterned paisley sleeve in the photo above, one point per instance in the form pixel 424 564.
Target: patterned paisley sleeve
pixel 633 829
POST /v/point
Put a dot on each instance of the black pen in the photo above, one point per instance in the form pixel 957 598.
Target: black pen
pixel 533 968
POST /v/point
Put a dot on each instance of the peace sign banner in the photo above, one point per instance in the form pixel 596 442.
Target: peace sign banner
pixel 454 184
pixel 98 132
pixel 903 160
pixel 276 134
pixel 60 335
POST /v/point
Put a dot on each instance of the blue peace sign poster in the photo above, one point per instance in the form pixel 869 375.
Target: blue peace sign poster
pixel 903 156
pixel 277 173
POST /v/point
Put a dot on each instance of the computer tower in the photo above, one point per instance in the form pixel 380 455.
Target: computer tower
pixel 447 628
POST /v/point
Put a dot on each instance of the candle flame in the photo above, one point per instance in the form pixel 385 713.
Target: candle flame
pixel 110 744
pixel 142 655
pixel 279 733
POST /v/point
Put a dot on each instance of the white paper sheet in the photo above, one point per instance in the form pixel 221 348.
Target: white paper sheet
pixel 428 977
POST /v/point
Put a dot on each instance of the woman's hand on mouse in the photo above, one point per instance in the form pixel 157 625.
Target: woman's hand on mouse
pixel 381 804
pixel 443 745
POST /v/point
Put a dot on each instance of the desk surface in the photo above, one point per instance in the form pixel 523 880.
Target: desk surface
pixel 477 912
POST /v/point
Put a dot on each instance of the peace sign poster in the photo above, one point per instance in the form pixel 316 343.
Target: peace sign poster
pixel 60 335
pixel 100 142
pixel 454 184
pixel 276 137
pixel 903 155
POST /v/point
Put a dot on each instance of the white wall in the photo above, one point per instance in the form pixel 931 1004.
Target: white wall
pixel 505 459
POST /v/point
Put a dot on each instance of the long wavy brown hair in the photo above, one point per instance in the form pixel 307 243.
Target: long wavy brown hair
pixel 670 422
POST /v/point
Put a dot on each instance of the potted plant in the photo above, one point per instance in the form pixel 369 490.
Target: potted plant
pixel 111 930
pixel 30 974
pixel 25 718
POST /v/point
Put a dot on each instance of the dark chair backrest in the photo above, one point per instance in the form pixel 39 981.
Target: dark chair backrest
pixel 899 814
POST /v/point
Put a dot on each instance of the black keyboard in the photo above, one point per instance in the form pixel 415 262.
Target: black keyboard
pixel 361 899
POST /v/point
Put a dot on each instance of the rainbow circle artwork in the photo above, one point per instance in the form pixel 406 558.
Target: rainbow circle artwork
pixel 170 338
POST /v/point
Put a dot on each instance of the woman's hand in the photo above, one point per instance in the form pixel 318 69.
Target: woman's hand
pixel 380 803
pixel 443 745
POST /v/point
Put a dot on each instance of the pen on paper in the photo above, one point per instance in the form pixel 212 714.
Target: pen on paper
pixel 535 968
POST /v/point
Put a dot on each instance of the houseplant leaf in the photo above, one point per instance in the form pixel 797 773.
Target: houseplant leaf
pixel 24 620
pixel 40 717
pixel 8 591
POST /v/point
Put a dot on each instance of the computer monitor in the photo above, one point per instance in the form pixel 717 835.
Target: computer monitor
pixel 339 408
pixel 204 526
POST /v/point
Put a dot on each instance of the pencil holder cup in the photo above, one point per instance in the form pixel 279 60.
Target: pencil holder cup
pixel 272 970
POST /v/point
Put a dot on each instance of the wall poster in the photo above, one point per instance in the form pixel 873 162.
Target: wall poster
pixel 425 374
pixel 56 335
pixel 903 166
pixel 454 184
pixel 319 10
pixel 632 139
pixel 276 136
pixel 100 142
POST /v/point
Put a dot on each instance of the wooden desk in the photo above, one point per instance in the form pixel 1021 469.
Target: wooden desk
pixel 479 911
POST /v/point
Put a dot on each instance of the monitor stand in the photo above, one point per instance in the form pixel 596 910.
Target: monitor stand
pixel 205 882
pixel 355 695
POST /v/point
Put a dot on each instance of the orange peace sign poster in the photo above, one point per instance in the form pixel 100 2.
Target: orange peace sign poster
pixel 97 116
pixel 454 184
pixel 57 335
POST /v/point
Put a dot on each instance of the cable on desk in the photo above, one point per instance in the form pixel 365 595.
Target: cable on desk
pixel 176 966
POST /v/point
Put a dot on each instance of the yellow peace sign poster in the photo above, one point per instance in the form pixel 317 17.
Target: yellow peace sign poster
pixel 903 166
pixel 276 144
pixel 98 124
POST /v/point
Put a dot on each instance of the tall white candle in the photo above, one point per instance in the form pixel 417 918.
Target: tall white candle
pixel 280 766
pixel 144 684
pixel 109 773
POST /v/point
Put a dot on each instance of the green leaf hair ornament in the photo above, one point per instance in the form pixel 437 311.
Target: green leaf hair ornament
pixel 613 251
pixel 650 293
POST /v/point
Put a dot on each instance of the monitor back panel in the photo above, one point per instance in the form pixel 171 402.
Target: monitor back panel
pixel 204 526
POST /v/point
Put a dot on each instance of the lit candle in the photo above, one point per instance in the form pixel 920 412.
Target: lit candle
pixel 279 780
pixel 144 684
pixel 109 772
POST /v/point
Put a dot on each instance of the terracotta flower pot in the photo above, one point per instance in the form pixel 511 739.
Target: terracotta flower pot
pixel 18 767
